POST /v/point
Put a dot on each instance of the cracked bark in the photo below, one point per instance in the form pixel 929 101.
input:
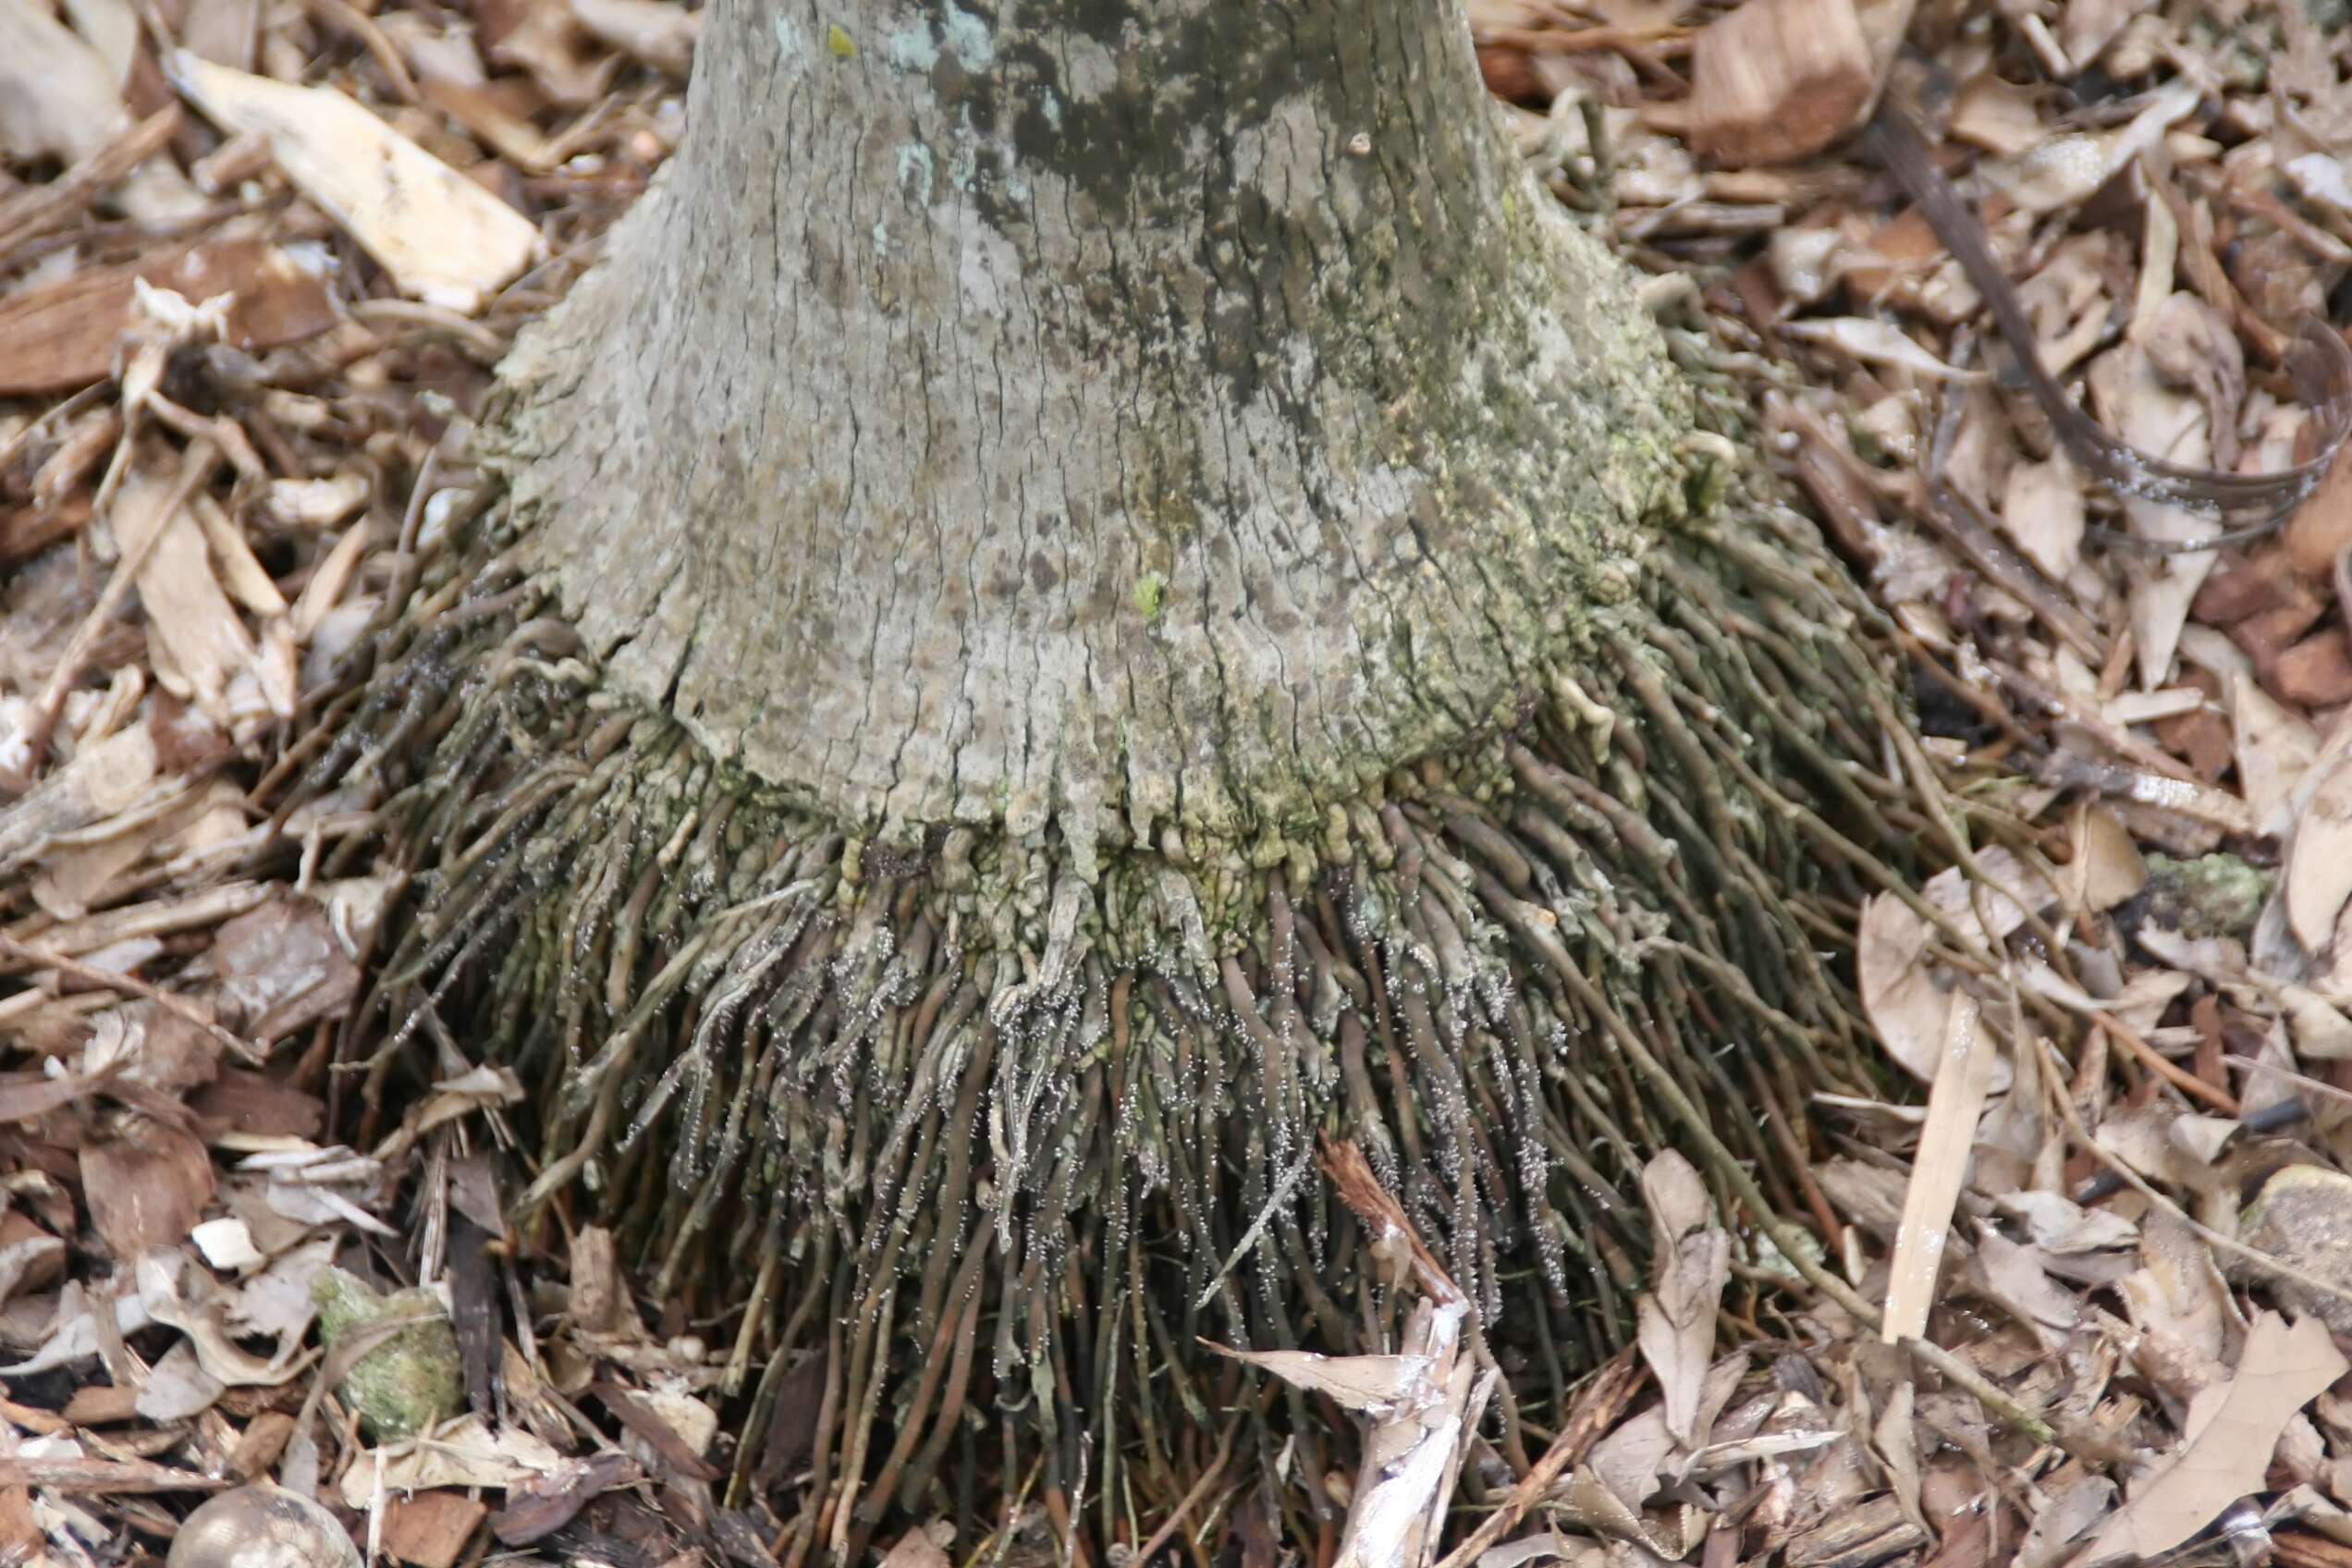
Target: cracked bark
pixel 1084 415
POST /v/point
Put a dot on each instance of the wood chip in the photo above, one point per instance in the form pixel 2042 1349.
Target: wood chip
pixel 430 1529
pixel 443 239
pixel 63 335
pixel 102 1404
pixel 1776 81
pixel 1955 1099
pixel 101 1476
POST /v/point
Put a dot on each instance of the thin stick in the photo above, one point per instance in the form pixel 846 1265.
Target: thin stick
pixel 1200 1489
pixel 2164 1067
pixel 47 206
pixel 196 467
pixel 130 984
pixel 2206 1233
pixel 1597 1410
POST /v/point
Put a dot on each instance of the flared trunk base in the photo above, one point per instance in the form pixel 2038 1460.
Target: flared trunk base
pixel 958 1131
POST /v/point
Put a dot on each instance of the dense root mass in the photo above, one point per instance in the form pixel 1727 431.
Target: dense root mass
pixel 978 1152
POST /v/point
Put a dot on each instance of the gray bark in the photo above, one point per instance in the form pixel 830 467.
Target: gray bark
pixel 1111 416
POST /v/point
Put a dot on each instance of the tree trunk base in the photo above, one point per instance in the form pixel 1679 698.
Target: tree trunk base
pixel 1001 1146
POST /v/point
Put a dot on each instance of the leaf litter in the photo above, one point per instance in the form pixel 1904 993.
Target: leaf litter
pixel 2061 381
pixel 256 261
pixel 2109 1254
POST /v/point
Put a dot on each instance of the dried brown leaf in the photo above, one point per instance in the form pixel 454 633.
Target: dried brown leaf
pixel 2041 510
pixel 147 1185
pixel 2231 1431
pixel 1676 1316
pixel 1371 1385
pixel 2134 402
pixel 2274 749
pixel 2319 859
pixel 2191 344
pixel 1899 994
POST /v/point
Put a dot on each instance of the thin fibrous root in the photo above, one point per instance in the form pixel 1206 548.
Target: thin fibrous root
pixel 995 1141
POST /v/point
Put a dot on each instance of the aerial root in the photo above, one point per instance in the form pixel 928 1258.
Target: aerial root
pixel 982 1152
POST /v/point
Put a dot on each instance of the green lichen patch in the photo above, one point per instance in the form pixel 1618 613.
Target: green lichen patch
pixel 413 1380
pixel 2215 894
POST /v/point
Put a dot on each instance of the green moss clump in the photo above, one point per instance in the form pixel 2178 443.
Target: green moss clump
pixel 411 1382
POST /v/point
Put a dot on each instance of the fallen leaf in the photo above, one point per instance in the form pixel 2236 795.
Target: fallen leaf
pixel 2055 1224
pixel 2191 344
pixel 2274 749
pixel 2070 1505
pixel 539 1505
pixel 2135 402
pixel 2041 510
pixel 73 1334
pixel 2107 869
pixel 2015 1277
pixel 1372 1385
pixel 177 1387
pixel 2319 860
pixel 463 1452
pixel 147 1185
pixel 2232 1430
pixel 1997 899
pixel 1676 1315
pixel 201 645
pixel 1899 995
